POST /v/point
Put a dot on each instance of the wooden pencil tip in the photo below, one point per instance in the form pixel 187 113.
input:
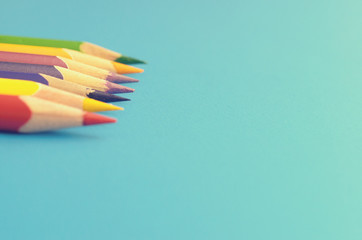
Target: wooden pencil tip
pixel 93 118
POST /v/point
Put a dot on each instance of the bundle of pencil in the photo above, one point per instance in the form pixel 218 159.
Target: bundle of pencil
pixel 50 84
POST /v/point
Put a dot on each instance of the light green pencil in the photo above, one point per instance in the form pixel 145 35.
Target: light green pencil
pixel 84 47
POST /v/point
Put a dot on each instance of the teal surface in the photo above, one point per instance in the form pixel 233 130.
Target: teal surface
pixel 247 124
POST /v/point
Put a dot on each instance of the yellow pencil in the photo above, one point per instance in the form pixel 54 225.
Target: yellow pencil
pixel 28 88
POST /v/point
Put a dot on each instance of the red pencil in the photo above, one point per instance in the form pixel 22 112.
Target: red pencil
pixel 27 114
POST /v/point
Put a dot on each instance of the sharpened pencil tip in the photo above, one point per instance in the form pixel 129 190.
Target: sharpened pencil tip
pixel 91 105
pixel 118 78
pixel 93 118
pixel 129 60
pixel 106 97
pixel 125 69
pixel 115 88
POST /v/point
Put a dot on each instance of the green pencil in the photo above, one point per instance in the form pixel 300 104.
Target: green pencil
pixel 84 47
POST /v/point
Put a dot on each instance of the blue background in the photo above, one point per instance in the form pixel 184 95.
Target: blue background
pixel 247 124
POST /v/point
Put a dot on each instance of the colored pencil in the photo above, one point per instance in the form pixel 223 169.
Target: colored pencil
pixel 67 75
pixel 85 47
pixel 26 114
pixel 28 88
pixel 63 85
pixel 65 63
pixel 71 54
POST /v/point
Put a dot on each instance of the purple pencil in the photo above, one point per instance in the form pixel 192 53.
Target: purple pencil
pixel 65 63
pixel 67 75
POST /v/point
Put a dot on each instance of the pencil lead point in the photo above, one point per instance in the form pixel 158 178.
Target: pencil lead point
pixel 106 97
pixel 115 88
pixel 93 118
pixel 91 105
pixel 129 60
pixel 126 69
pixel 118 78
